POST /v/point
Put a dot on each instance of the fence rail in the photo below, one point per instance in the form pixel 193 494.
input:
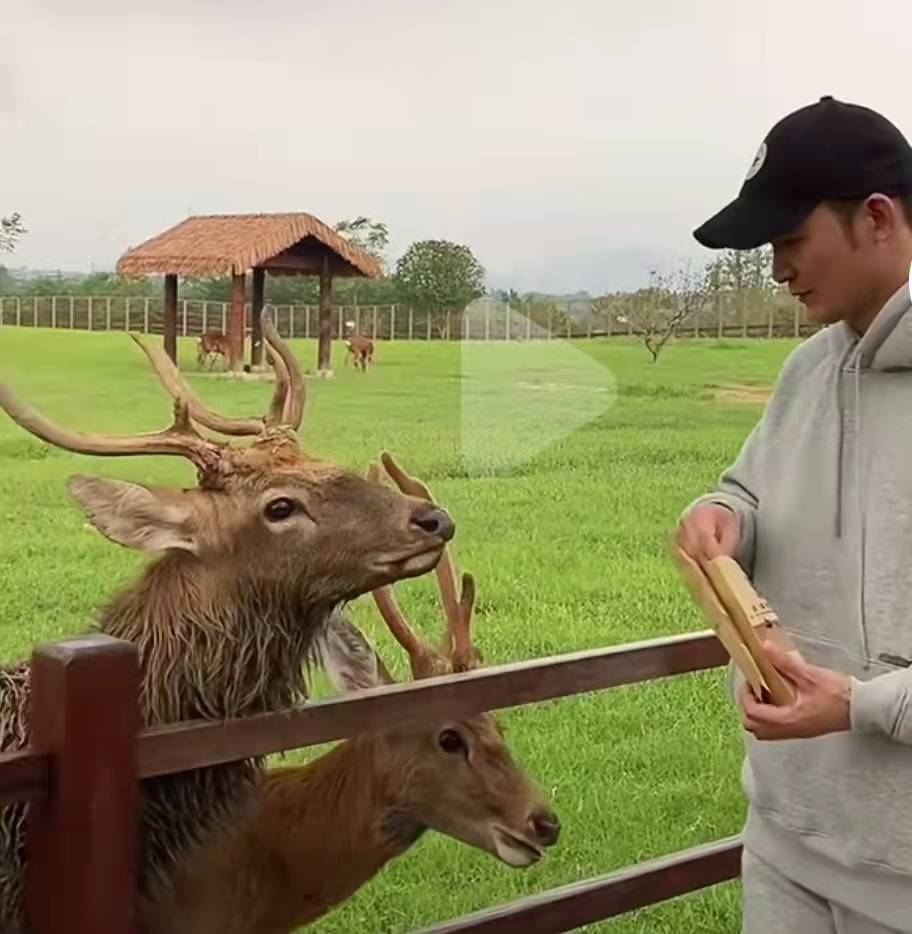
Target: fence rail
pixel 484 321
pixel 81 774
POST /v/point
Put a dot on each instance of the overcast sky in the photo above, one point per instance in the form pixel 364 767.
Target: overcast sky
pixel 568 143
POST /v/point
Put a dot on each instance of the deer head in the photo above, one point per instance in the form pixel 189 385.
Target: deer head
pixel 266 506
pixel 457 776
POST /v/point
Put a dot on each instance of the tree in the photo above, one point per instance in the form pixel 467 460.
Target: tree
pixel 370 236
pixel 439 277
pixel 655 312
pixel 11 229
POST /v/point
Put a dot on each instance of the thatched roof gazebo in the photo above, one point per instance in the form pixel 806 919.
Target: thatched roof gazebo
pixel 233 244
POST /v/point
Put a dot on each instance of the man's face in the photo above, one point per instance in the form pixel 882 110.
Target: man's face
pixel 834 276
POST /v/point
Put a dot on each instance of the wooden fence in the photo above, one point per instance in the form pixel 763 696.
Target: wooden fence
pixel 80 774
pixel 486 321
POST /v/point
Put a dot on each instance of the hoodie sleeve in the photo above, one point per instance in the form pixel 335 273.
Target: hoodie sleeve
pixel 738 490
pixel 883 705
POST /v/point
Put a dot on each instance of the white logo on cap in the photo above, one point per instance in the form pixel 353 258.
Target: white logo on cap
pixel 757 164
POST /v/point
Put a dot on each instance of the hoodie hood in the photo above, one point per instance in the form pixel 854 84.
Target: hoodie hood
pixel 887 343
pixel 886 346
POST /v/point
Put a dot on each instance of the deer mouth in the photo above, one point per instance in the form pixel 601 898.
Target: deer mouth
pixel 415 563
pixel 514 850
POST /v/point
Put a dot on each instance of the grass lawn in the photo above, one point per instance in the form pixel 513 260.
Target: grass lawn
pixel 565 467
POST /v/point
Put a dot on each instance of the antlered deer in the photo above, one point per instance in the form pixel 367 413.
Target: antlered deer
pixel 212 344
pixel 318 832
pixel 361 350
pixel 250 564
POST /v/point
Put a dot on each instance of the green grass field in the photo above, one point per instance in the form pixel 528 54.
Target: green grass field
pixel 565 468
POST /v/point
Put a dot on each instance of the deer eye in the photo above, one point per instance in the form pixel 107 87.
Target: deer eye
pixel 450 741
pixel 278 509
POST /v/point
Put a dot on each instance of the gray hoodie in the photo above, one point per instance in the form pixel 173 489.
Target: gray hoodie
pixel 823 488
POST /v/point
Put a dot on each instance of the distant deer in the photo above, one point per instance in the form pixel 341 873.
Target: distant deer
pixel 250 564
pixel 318 832
pixel 211 345
pixel 361 349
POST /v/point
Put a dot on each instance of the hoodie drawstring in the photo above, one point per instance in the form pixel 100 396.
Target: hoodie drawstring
pixel 862 510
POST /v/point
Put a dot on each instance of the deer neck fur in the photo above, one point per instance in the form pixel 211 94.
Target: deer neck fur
pixel 212 645
pixel 313 836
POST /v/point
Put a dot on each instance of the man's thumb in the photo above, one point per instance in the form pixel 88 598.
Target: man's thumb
pixel 789 663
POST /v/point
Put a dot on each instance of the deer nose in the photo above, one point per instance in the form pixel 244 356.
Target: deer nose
pixel 436 521
pixel 546 827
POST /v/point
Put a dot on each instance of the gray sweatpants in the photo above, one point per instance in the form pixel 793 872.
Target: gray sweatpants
pixel 773 904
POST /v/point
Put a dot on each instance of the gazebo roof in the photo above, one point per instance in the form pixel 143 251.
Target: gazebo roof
pixel 231 244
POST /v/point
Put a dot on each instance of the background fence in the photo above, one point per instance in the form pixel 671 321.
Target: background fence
pixel 488 321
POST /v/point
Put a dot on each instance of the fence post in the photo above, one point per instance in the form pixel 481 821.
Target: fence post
pixel 81 841
pixel 374 323
pixel 18 311
pixel 108 313
pixel 90 313
pixel 127 315
pixel 392 322
pixel 71 312
pixel 411 317
pixel 53 311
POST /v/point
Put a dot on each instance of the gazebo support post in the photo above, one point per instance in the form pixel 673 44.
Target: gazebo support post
pixel 170 322
pixel 324 353
pixel 256 330
pixel 236 322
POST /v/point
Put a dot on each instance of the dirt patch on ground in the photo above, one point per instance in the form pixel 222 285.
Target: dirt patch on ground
pixel 734 392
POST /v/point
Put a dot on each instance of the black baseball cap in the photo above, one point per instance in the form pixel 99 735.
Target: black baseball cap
pixel 825 151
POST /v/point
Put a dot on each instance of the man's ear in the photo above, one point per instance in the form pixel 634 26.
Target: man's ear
pixel 134 516
pixel 343 652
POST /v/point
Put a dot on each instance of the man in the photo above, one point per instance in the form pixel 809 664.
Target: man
pixel 817 509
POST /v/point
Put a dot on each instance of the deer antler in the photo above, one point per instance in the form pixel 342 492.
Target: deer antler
pixel 287 403
pixel 425 661
pixel 177 388
pixel 180 439
pixel 464 654
pixel 445 571
pixel 459 654
pixel 290 381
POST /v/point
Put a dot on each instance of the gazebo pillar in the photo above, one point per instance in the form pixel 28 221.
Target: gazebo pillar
pixel 236 322
pixel 169 329
pixel 324 352
pixel 256 331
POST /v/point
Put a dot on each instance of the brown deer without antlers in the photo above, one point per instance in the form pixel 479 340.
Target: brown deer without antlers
pixel 250 563
pixel 318 832
pixel 212 344
pixel 361 350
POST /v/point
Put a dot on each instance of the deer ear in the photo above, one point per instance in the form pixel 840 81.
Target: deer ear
pixel 347 657
pixel 134 516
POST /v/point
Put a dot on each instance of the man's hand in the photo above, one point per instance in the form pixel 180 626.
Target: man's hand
pixel 708 531
pixel 821 703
